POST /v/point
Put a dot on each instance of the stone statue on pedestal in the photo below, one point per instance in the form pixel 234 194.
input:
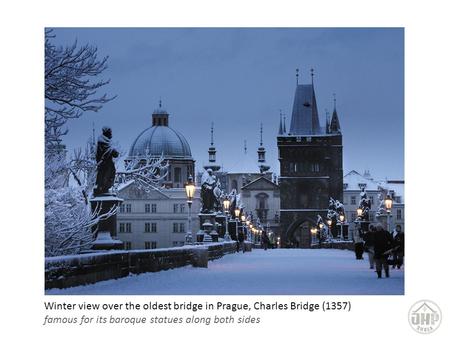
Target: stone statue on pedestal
pixel 208 183
pixel 106 171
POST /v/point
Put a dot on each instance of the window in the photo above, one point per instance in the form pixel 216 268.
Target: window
pixel 177 175
pixel 182 208
pixel 124 227
pixel 127 245
pixel 315 168
pixel 353 200
pixel 150 245
pixel 128 208
pixel 147 208
pixel 150 227
pixel 127 227
pixel 399 213
pixel 175 208
pixel 153 208
pixel 398 199
pixel 177 243
pixel 178 228
pixel 371 200
pixel 122 208
pixel 353 215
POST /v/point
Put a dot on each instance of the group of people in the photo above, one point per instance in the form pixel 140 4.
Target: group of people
pixel 265 241
pixel 382 247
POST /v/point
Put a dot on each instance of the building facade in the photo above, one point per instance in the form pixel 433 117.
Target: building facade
pixel 376 190
pixel 310 168
pixel 158 217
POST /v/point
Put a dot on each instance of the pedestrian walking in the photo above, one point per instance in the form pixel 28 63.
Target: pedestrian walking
pixel 382 249
pixel 264 240
pixel 358 240
pixel 369 238
pixel 399 247
pixel 241 239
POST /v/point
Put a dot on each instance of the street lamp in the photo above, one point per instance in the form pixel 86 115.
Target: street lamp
pixel 190 190
pixel 388 204
pixel 342 219
pixel 359 212
pixel 226 208
pixel 237 211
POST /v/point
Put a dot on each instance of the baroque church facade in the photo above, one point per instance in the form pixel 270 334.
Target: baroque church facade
pixel 310 167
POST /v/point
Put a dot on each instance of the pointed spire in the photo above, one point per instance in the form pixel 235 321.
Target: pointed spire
pixel 327 121
pixel 212 153
pixel 245 147
pixel 260 135
pixel 312 76
pixel 280 128
pixel 263 167
pixel 296 75
pixel 335 127
pixel 284 124
pixel 160 103
pixel 334 100
pixel 212 134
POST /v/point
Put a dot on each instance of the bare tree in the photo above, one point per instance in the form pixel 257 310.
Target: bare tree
pixel 70 84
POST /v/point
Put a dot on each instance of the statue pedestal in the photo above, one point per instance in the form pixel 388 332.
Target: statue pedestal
pixel 207 232
pixel 105 238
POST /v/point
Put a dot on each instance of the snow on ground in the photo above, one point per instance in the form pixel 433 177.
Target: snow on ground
pixel 271 272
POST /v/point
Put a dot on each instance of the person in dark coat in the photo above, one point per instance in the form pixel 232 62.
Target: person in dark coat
pixel 369 237
pixel 399 246
pixel 358 240
pixel 382 244
pixel 264 240
pixel 241 239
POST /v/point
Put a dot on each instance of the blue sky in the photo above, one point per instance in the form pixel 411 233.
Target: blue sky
pixel 238 78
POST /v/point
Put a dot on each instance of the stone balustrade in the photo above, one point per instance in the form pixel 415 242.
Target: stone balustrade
pixel 68 271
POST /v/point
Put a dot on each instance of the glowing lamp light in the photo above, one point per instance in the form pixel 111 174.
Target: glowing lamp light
pixel 190 189
pixel 341 217
pixel 237 212
pixel 388 203
pixel 329 222
pixel 243 218
pixel 226 204
pixel 359 212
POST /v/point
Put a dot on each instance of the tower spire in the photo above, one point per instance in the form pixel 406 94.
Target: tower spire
pixel 212 134
pixel 245 147
pixel 280 128
pixel 312 76
pixel 263 167
pixel 212 153
pixel 334 100
pixel 284 123
pixel 296 75
pixel 260 135
pixel 335 127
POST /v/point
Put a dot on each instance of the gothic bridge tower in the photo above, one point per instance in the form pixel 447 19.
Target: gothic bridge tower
pixel 310 167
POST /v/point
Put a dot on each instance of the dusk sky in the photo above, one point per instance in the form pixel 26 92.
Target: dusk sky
pixel 239 78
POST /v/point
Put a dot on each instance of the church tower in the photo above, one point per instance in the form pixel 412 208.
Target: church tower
pixel 310 167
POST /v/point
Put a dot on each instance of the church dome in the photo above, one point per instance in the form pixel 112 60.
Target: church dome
pixel 161 140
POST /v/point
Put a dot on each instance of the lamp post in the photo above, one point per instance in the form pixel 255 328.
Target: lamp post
pixel 237 212
pixel 342 219
pixel 248 229
pixel 388 205
pixel 226 208
pixel 329 222
pixel 190 190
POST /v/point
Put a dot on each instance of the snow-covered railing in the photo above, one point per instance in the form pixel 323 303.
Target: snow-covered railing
pixel 67 271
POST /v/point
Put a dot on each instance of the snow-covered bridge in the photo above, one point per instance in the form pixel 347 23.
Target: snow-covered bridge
pixel 278 271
